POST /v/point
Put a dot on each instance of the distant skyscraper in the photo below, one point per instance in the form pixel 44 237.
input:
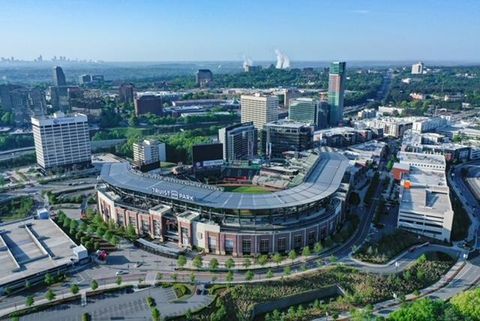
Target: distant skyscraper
pixel 417 69
pixel 204 77
pixel 125 93
pixel 85 79
pixel 38 104
pixel 258 109
pixel 58 77
pixel 336 92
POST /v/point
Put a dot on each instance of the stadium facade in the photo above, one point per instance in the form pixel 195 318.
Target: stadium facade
pixel 202 216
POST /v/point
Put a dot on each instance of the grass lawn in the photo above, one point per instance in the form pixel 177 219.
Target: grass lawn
pixel 249 189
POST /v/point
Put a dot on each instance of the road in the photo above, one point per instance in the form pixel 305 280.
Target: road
pixel 465 195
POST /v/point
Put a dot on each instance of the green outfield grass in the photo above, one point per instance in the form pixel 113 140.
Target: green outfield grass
pixel 250 189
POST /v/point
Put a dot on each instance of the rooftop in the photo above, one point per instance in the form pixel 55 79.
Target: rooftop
pixel 323 180
pixel 32 246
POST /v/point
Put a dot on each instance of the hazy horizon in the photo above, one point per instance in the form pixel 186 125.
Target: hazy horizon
pixel 196 31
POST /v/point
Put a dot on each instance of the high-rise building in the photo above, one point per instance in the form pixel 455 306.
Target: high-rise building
pixel 148 103
pixel 148 154
pixel 85 79
pixel 259 109
pixel 309 111
pixel 61 141
pixel 417 69
pixel 38 104
pixel 204 77
pixel 285 135
pixel 239 141
pixel 125 93
pixel 336 92
pixel 58 77
pixel 20 105
pixel 59 98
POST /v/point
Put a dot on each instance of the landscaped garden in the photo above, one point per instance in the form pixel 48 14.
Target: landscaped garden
pixel 361 289
pixel 16 209
pixel 389 246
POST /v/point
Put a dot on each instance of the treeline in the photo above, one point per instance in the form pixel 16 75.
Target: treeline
pixel 15 141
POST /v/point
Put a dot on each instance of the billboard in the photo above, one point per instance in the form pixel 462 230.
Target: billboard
pixel 206 155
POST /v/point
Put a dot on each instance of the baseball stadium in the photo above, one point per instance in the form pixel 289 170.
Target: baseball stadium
pixel 208 217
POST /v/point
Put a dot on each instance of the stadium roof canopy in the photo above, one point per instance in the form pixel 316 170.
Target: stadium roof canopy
pixel 322 181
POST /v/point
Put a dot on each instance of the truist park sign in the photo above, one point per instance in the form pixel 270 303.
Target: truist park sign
pixel 172 194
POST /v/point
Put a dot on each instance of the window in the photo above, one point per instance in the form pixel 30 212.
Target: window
pixel 212 244
pixel 297 242
pixel 282 244
pixel 246 247
pixel 228 247
pixel 311 238
pixel 264 246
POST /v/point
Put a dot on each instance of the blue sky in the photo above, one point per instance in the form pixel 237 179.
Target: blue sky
pixel 176 30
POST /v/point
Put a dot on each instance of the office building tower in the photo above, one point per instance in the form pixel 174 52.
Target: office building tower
pixel 20 105
pixel 85 79
pixel 204 77
pixel 148 154
pixel 259 109
pixel 288 95
pixel 59 98
pixel 61 141
pixel 239 141
pixel 285 135
pixel 125 93
pixel 38 103
pixel 417 69
pixel 148 103
pixel 58 77
pixel 336 92
pixel 309 111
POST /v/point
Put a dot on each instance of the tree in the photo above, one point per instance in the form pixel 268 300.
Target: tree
pixel 86 316
pixel 174 277
pixel 246 263
pixel 181 261
pixel 213 264
pixel 94 285
pixel 292 255
pixel 249 275
pixel 29 301
pixel 365 314
pixel 263 259
pixel 306 251
pixel 468 303
pixel 269 274
pixel 48 279
pixel 155 314
pixel 74 289
pixel 119 280
pixel 133 121
pixel 131 233
pixel 229 277
pixel 287 270
pixel 198 262
pixel 50 295
pixel 278 258
pixel 318 248
pixel 150 302
pixel 230 263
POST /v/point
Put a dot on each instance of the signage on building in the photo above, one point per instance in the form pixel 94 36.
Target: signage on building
pixel 172 194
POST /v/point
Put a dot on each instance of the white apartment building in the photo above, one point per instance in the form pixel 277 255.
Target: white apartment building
pixel 148 152
pixel 426 124
pixel 417 69
pixel 61 141
pixel 425 206
pixel 259 109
